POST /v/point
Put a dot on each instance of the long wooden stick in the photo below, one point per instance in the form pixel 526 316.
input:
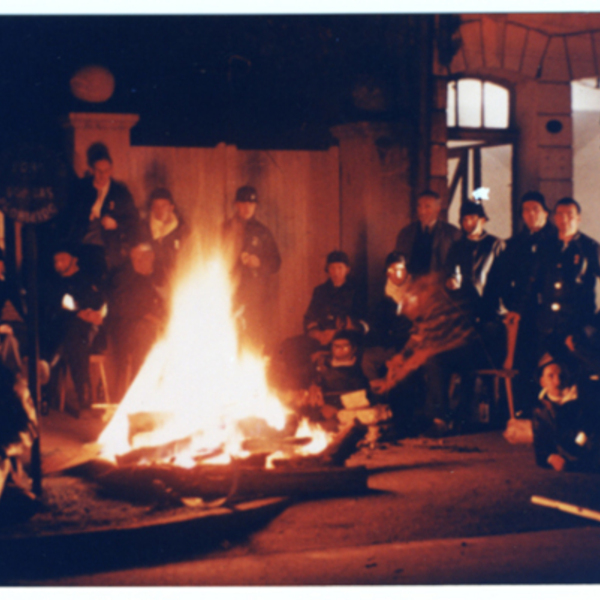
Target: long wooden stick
pixel 573 509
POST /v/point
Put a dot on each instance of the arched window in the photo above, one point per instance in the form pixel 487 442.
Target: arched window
pixel 477 104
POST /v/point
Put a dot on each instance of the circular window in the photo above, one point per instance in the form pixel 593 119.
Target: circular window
pixel 554 126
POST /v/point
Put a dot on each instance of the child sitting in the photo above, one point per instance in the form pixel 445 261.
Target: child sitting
pixel 565 421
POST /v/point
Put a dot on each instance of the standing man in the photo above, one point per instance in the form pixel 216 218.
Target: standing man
pixel 166 231
pixel 472 272
pixel 255 258
pixel 103 216
pixel 521 262
pixel 567 281
pixel 426 242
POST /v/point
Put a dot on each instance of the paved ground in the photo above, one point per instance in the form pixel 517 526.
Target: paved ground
pixel 448 511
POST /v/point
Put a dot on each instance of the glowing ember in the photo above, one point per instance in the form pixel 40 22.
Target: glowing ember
pixel 195 385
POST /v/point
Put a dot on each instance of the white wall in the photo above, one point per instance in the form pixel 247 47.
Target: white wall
pixel 586 154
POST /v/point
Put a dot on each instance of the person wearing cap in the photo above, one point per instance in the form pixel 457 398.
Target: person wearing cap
pixel 335 305
pixel 566 282
pixel 471 270
pixel 165 230
pixel 73 307
pixel 101 214
pixel 255 258
pixel 565 420
pixel 520 264
pixel 426 242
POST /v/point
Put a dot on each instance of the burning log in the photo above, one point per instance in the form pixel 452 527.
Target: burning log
pixel 318 475
pixel 209 482
pixel 344 444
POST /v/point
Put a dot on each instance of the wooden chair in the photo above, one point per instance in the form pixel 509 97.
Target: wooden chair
pixel 507 372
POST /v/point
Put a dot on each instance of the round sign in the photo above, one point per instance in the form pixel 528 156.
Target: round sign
pixel 93 84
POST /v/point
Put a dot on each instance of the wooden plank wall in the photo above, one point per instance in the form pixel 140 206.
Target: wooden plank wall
pixel 298 200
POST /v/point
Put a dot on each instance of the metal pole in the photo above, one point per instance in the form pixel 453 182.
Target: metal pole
pixel 33 350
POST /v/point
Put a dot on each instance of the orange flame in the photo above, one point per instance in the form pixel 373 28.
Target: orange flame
pixel 197 380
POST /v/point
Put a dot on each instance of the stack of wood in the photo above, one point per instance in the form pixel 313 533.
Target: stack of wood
pixel 377 418
pixel 142 475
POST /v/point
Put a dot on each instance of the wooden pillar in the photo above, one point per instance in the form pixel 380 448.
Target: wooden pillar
pixel 375 195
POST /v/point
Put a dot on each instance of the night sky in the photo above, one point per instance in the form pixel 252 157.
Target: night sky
pixel 257 81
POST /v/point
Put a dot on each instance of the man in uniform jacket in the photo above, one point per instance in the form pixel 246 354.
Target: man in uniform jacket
pixel 521 262
pixel 567 280
pixel 255 257
pixel 102 215
pixel 426 242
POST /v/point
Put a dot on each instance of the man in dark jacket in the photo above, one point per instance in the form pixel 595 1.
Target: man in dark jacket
pixel 520 265
pixel 136 314
pixel 165 231
pixel 335 305
pixel 74 309
pixel 255 257
pixel 567 280
pixel 102 215
pixel 472 268
pixel 426 242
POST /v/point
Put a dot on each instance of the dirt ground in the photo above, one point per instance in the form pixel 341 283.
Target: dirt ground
pixel 428 499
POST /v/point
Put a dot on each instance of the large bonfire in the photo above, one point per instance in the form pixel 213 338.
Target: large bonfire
pixel 197 387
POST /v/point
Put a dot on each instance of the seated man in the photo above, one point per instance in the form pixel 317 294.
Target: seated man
pixel 75 310
pixel 389 326
pixel 439 328
pixel 335 305
pixel 389 331
pixel 136 314
pixel 565 422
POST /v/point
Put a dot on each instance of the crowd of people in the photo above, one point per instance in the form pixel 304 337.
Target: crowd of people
pixel 454 302
pixel 449 298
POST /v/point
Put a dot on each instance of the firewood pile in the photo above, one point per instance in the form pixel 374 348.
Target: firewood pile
pixel 143 475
